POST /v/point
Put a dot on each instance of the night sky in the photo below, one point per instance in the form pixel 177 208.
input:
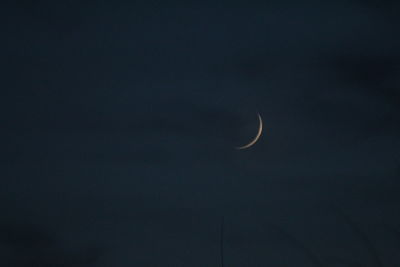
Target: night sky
pixel 119 123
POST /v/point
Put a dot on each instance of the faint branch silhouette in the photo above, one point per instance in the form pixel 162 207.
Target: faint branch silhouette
pixel 347 262
pixel 375 259
pixel 394 231
pixel 314 258
pixel 32 245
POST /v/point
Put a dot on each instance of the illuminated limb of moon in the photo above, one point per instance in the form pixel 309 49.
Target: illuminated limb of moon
pixel 260 128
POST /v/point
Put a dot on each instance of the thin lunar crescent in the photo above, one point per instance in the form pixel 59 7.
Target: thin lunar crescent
pixel 260 128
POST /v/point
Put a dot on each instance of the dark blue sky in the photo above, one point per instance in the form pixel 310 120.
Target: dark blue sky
pixel 119 122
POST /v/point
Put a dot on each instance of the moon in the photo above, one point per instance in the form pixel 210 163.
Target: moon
pixel 255 139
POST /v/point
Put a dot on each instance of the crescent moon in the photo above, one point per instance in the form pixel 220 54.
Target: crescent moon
pixel 260 128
